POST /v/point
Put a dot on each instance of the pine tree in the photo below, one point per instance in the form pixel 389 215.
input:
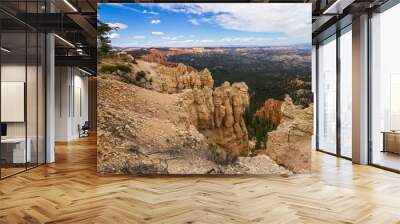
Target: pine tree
pixel 103 39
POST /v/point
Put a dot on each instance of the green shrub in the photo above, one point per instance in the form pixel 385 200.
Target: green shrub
pixel 258 129
pixel 140 75
pixel 219 155
pixel 115 68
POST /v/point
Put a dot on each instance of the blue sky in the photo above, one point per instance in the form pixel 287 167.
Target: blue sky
pixel 207 25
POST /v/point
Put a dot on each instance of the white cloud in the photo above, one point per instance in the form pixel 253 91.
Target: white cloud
pixel 172 38
pixel 139 37
pixel 194 22
pixel 126 6
pixel 122 6
pixel 155 21
pixel 206 41
pixel 181 7
pixel 120 26
pixel 150 12
pixel 290 19
pixel 180 41
pixel 218 42
pixel 113 35
pixel 290 23
pixel 114 4
pixel 206 20
pixel 157 33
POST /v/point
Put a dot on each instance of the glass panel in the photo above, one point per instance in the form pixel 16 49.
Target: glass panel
pixel 41 99
pixel 313 81
pixel 77 110
pixel 31 85
pixel 31 98
pixel 346 94
pixel 22 87
pixel 327 96
pixel 13 90
pixel 2 160
pixel 385 84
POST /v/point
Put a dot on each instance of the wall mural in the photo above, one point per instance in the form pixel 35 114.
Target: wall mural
pixel 188 88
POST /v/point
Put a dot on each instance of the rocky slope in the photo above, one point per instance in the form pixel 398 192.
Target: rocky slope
pixel 142 131
pixel 215 112
pixel 145 132
pixel 290 144
pixel 158 77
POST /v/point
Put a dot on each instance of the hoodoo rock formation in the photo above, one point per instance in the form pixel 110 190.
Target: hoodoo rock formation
pixel 271 111
pixel 218 114
pixel 290 144
pixel 176 79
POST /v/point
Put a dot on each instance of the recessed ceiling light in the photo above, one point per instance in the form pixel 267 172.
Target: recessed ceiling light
pixel 70 5
pixel 86 72
pixel 337 7
pixel 64 40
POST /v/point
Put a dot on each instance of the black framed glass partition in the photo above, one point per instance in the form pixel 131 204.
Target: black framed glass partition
pixel 22 77
pixel 345 91
pixel 13 90
pixel 334 94
pixel 385 89
pixel 326 100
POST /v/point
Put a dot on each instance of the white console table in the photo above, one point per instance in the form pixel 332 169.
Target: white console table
pixel 19 155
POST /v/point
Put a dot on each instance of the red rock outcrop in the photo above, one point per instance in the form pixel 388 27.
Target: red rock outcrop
pixel 271 111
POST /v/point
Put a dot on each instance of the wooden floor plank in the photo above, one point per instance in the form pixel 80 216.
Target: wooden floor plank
pixel 70 191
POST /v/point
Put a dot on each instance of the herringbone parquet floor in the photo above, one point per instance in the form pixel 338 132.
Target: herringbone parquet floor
pixel 70 191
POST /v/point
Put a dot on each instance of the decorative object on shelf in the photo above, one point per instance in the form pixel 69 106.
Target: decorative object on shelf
pixel 391 141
